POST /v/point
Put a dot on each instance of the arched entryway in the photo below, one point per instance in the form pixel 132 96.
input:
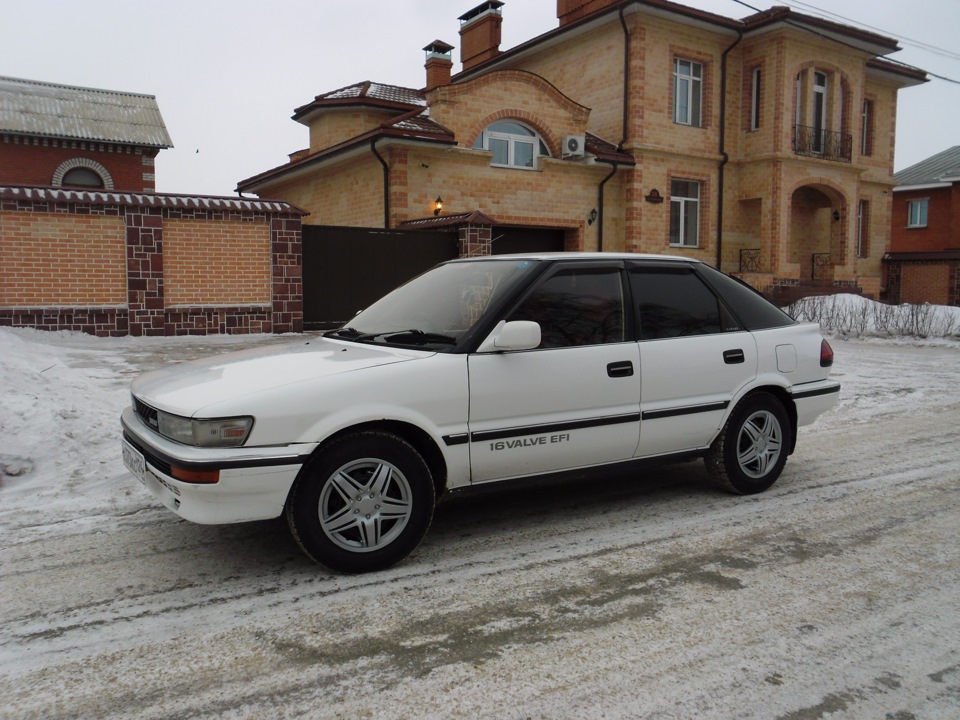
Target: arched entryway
pixel 817 233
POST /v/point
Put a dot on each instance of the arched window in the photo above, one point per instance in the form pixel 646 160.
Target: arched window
pixel 82 173
pixel 512 144
pixel 82 177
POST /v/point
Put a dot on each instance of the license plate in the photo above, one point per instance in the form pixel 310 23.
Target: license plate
pixel 134 461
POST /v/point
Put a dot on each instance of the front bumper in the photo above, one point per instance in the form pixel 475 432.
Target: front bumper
pixel 254 481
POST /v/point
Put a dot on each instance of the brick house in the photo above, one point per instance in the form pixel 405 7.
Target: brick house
pixel 65 136
pixel 87 245
pixel 762 145
pixel 923 264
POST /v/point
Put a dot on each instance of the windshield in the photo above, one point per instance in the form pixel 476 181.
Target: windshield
pixel 438 308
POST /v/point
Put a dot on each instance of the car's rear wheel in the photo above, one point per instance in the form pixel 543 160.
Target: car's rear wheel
pixel 364 503
pixel 751 450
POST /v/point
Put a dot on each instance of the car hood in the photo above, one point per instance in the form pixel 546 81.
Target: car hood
pixel 187 388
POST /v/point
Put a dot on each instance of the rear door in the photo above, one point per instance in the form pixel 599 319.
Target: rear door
pixel 693 358
pixel 572 402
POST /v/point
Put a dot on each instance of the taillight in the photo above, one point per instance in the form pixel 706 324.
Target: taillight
pixel 826 354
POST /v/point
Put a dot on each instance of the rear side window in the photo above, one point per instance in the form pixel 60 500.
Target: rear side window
pixel 753 310
pixel 673 302
pixel 576 307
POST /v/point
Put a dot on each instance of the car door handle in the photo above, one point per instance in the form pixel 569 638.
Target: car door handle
pixel 620 369
pixel 733 357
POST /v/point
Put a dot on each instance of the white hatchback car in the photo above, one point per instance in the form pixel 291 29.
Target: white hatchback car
pixel 480 370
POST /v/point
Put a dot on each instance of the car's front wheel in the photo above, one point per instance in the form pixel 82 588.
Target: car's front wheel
pixel 751 450
pixel 364 503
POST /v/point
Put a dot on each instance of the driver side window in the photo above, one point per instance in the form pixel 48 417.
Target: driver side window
pixel 576 307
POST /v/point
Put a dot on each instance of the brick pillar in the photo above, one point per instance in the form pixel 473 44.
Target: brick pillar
pixel 287 256
pixel 476 240
pixel 145 271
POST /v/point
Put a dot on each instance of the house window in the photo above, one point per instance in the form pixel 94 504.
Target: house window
pixel 866 128
pixel 755 100
pixel 863 228
pixel 512 144
pixel 819 110
pixel 687 91
pixel 684 213
pixel 917 213
pixel 82 177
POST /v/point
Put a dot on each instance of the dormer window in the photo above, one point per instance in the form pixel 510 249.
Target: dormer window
pixel 512 144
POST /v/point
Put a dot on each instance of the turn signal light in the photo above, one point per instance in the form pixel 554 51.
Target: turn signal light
pixel 200 477
pixel 826 354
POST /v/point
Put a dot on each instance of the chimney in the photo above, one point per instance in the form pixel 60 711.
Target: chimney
pixel 439 64
pixel 480 33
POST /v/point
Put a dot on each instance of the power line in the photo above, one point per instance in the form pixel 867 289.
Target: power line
pixel 902 38
pixel 789 22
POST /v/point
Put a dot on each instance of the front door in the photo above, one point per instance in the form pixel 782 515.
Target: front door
pixel 572 402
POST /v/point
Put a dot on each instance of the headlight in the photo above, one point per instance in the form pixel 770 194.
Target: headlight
pixel 222 432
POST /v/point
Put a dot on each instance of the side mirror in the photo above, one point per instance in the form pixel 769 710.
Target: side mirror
pixel 516 335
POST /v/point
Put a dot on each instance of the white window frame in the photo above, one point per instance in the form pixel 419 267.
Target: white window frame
pixel 683 202
pixel 512 140
pixel 687 87
pixel 755 99
pixel 917 210
pixel 866 128
pixel 819 119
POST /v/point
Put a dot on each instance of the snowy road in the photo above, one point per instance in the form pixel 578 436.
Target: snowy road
pixel 834 595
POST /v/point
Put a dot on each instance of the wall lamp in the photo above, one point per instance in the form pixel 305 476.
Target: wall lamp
pixel 836 216
pixel 592 217
pixel 438 205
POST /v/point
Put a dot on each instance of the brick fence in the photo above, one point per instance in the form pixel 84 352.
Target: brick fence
pixel 109 263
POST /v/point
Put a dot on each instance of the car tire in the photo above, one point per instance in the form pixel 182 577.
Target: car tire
pixel 363 503
pixel 749 453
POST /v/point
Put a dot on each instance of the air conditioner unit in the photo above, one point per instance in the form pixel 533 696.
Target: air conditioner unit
pixel 573 146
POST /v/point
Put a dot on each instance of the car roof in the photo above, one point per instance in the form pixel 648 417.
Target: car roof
pixel 582 256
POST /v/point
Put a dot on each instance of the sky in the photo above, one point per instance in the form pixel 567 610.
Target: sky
pixel 228 74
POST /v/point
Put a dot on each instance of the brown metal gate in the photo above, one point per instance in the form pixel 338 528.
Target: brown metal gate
pixel 345 269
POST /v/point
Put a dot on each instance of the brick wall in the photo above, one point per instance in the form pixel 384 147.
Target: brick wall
pixel 116 264
pixel 925 282
pixel 55 259
pixel 35 161
pixel 943 221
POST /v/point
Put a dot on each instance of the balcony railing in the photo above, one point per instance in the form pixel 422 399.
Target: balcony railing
pixel 750 260
pixel 820 267
pixel 825 144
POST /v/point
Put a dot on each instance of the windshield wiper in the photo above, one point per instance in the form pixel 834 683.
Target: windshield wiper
pixel 409 337
pixel 402 337
pixel 348 333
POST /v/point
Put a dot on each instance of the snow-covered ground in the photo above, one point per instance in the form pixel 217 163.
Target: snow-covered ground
pixel 835 594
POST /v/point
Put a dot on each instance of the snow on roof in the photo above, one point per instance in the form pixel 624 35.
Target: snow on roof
pixel 28 107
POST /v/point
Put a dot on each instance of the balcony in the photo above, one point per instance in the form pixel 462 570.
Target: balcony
pixel 823 144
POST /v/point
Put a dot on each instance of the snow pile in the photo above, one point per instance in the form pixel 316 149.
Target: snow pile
pixel 853 315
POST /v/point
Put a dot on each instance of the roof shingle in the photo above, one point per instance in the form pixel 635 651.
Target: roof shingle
pixel 28 107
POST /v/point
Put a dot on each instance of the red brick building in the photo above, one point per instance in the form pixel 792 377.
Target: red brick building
pixel 64 136
pixel 87 245
pixel 923 264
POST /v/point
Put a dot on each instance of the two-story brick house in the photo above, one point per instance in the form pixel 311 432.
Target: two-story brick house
pixel 762 145
pixel 923 264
